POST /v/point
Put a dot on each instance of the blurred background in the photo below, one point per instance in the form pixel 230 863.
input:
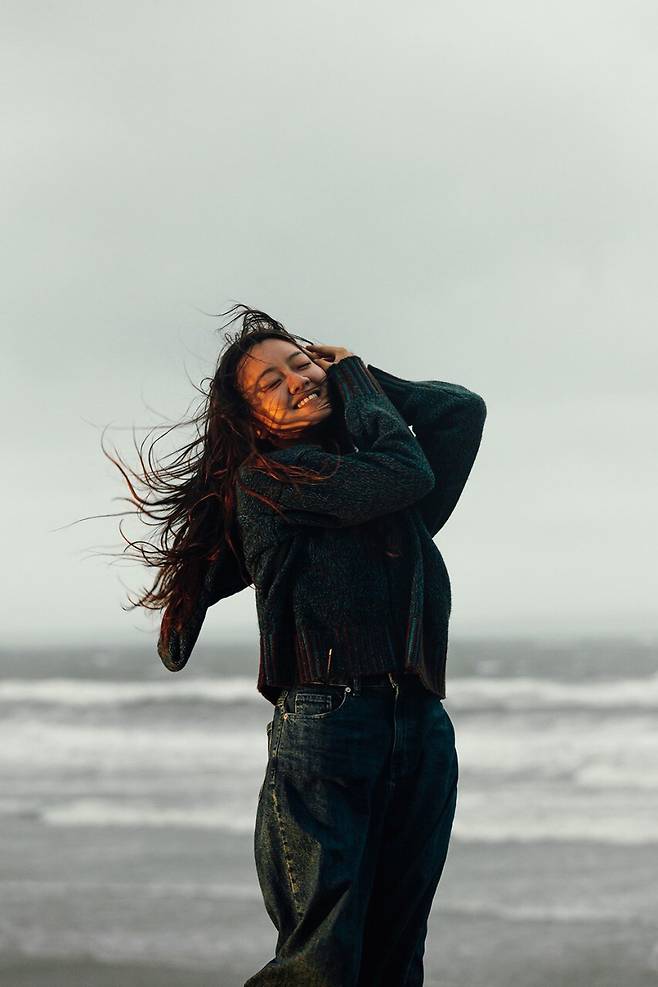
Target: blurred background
pixel 463 192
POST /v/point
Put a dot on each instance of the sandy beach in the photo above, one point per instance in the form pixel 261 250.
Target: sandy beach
pixel 505 915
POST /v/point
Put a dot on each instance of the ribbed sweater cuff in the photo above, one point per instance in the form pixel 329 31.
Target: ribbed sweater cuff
pixel 352 378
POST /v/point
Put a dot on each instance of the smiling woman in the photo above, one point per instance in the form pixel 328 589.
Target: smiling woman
pixel 254 406
pixel 280 380
pixel 349 842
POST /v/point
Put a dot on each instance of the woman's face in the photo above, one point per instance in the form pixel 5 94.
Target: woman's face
pixel 274 376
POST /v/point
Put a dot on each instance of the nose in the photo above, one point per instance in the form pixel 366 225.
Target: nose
pixel 300 383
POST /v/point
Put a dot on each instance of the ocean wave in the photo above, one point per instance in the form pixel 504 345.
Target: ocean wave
pixel 584 911
pixel 99 812
pixel 522 693
pixel 553 813
pixel 542 824
pixel 129 748
pixel 576 751
pixel 92 692
pixel 37 892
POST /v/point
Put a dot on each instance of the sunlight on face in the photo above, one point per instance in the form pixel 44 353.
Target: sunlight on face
pixel 274 376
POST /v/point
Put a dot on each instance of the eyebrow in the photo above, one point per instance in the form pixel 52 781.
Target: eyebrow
pixel 267 369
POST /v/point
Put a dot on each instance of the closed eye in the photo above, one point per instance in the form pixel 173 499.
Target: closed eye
pixel 302 366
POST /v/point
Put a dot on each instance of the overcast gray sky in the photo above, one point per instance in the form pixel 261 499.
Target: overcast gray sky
pixel 464 192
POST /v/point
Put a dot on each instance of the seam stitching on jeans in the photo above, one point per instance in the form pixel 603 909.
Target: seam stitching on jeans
pixel 275 740
pixel 286 855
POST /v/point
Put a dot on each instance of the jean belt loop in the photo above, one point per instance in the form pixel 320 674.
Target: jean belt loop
pixel 356 684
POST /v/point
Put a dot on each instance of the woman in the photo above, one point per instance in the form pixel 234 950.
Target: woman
pixel 310 485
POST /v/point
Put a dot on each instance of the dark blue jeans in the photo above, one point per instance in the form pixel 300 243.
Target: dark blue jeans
pixel 352 829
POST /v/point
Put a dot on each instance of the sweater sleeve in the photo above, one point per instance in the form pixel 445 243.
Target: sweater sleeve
pixel 223 579
pixel 448 421
pixel 179 647
pixel 388 471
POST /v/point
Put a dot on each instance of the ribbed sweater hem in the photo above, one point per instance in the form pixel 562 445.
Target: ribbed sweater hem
pixel 307 656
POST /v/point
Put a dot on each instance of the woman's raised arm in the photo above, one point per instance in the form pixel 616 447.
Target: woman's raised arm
pixel 387 473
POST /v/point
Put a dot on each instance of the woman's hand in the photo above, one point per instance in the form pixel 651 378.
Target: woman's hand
pixel 326 355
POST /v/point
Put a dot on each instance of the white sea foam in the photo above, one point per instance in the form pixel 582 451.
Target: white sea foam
pixel 526 693
pixel 539 760
pixel 38 891
pixel 613 751
pixel 466 693
pixel 616 751
pixel 451 901
pixel 527 813
pixel 586 752
pixel 94 692
pixel 508 819
pixel 130 747
pixel 99 812
pixel 583 911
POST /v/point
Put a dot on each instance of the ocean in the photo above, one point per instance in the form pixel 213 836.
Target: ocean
pixel 128 798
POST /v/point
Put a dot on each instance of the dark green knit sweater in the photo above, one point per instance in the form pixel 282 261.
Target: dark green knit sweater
pixel 330 601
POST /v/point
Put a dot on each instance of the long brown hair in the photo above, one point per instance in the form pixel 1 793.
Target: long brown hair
pixel 191 501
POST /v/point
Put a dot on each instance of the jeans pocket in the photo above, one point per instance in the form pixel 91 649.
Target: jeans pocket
pixel 315 702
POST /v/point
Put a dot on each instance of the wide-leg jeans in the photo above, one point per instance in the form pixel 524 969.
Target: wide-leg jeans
pixel 352 830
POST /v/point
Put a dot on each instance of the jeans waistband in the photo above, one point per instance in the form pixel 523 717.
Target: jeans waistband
pixel 382 680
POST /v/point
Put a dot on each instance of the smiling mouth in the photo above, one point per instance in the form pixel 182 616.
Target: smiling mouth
pixel 313 397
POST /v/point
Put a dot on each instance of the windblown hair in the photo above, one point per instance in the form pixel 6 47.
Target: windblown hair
pixel 192 500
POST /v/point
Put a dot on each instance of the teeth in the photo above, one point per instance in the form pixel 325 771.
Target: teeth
pixel 309 397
